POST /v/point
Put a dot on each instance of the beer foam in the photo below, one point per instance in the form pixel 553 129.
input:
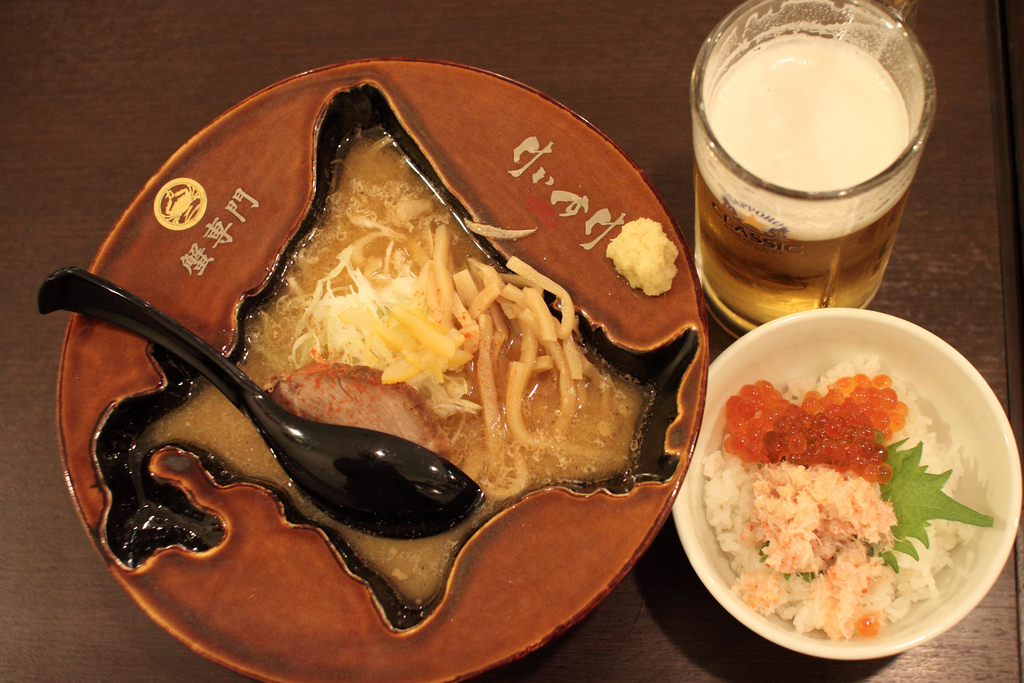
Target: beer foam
pixel 810 114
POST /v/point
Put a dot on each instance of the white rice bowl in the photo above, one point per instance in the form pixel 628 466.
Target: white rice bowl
pixel 955 414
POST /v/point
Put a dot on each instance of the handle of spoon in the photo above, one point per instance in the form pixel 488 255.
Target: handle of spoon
pixel 73 289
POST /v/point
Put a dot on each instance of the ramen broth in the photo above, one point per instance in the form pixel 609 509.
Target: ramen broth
pixel 383 207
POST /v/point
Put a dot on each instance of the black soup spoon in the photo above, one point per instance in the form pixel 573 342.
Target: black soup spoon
pixel 373 481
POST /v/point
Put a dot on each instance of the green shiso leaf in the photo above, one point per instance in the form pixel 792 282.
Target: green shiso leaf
pixel 889 558
pixel 916 496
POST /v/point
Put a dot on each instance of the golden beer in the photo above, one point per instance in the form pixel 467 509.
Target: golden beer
pixel 764 276
pixel 809 119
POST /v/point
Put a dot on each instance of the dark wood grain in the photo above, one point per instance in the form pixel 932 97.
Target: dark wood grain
pixel 1006 47
pixel 96 96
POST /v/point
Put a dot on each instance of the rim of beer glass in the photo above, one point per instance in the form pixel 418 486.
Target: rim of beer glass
pixel 913 147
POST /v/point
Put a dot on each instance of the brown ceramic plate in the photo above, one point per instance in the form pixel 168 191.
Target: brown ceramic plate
pixel 222 563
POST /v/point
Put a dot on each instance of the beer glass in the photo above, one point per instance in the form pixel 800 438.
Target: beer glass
pixel 906 10
pixel 809 119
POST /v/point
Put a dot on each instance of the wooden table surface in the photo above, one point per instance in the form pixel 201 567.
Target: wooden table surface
pixel 96 96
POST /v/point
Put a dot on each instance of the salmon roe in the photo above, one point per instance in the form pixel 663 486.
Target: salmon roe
pixel 838 429
pixel 869 625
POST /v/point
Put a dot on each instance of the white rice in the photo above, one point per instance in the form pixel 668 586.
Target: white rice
pixel 728 497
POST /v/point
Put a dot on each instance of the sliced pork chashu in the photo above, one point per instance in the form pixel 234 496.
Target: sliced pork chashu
pixel 354 395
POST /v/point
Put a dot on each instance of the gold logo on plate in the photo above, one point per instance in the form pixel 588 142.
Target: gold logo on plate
pixel 180 204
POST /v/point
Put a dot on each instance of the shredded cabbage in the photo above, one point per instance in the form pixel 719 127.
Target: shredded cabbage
pixel 356 324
